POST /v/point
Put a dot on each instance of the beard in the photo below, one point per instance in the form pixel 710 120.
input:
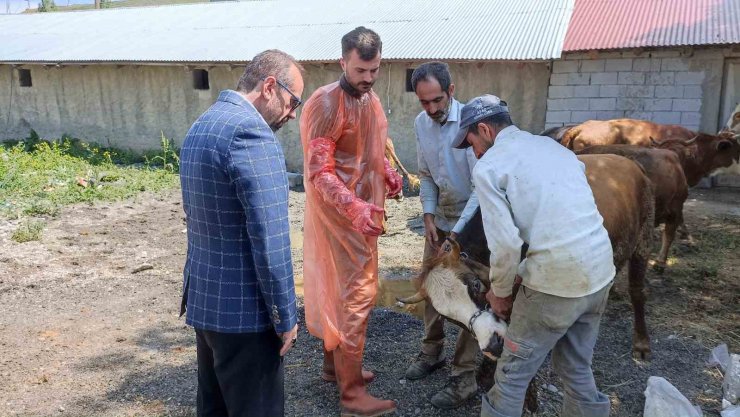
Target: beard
pixel 275 126
pixel 441 115
pixel 363 86
pixel 274 113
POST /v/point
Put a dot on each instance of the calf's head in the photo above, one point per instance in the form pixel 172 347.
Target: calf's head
pixel 457 286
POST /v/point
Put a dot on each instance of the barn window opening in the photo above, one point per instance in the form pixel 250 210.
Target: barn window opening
pixel 24 77
pixel 200 79
pixel 409 87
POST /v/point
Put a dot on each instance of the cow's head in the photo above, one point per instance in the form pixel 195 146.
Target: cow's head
pixel 457 286
pixel 726 146
pixel 705 153
pixel 728 150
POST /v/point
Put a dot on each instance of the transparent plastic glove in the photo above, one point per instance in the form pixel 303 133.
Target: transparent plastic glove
pixel 335 192
pixel 360 213
pixel 393 181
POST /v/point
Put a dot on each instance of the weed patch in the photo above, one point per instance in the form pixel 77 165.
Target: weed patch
pixel 38 177
pixel 28 231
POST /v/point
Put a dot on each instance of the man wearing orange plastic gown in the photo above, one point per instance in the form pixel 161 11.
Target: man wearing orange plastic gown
pixel 343 131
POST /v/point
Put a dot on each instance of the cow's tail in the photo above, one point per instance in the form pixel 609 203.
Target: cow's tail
pixel 645 241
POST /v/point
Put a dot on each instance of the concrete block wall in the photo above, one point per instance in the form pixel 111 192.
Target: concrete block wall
pixel 666 86
pixel 131 106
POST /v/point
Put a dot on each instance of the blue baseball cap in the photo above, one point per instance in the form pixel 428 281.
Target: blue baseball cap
pixel 474 111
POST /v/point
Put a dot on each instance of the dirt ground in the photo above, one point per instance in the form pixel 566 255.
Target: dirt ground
pixel 81 334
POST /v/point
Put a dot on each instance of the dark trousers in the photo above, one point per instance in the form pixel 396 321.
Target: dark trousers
pixel 239 374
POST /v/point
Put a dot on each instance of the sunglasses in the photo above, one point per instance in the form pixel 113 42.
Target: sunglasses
pixel 295 101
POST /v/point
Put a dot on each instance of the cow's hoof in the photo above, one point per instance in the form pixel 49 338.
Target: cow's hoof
pixel 641 351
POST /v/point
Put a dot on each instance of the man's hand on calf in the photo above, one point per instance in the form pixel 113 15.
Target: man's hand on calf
pixel 501 306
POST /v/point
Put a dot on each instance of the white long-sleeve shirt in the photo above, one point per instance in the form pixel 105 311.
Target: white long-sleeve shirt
pixel 445 173
pixel 531 189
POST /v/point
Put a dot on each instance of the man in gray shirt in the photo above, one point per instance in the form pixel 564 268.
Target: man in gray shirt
pixel 448 202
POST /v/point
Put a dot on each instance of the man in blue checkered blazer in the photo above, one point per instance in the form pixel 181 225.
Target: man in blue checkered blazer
pixel 238 280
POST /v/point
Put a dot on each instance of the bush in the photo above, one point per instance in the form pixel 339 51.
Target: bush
pixel 47 6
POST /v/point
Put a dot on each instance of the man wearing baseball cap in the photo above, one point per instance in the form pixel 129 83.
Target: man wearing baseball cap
pixel 533 190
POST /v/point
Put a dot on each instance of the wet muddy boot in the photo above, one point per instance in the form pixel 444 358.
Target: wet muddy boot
pixel 458 390
pixel 354 401
pixel 424 365
pixel 328 374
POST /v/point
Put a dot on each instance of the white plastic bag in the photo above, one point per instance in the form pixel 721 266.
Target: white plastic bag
pixel 731 384
pixel 719 357
pixel 729 410
pixel 663 400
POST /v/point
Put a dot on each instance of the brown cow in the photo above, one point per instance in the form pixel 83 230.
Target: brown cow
pixel 670 189
pixel 703 154
pixel 456 285
pixel 621 132
pixel 699 157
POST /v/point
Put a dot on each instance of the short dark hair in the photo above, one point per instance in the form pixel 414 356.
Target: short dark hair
pixel 435 69
pixel 271 62
pixel 500 120
pixel 366 41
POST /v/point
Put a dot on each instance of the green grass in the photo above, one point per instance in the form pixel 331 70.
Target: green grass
pixel 39 177
pixel 28 231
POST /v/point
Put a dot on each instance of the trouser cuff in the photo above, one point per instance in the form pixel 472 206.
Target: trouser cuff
pixel 487 410
pixel 598 408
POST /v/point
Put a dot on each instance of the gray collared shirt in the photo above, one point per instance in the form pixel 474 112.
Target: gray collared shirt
pixel 445 173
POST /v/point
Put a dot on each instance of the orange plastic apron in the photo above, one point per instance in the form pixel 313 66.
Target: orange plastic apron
pixel 340 265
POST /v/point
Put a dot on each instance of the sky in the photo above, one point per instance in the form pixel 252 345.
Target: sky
pixel 17 6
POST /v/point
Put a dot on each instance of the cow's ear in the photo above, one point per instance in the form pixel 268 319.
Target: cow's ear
pixel 454 254
pixel 724 145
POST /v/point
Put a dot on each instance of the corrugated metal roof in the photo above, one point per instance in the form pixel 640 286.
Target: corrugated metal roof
pixel 620 24
pixel 310 30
